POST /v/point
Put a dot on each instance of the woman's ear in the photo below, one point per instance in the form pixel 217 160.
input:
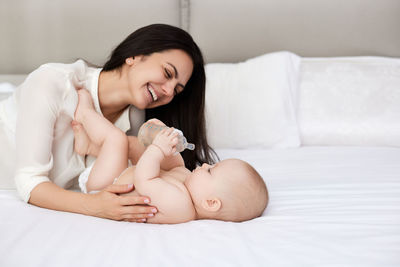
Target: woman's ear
pixel 212 205
pixel 130 61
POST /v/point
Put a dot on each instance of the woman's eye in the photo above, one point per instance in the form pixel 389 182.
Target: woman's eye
pixel 168 74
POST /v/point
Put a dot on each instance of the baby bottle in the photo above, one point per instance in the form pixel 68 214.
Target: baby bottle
pixel 148 132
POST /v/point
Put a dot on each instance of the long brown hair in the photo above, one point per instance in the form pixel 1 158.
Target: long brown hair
pixel 186 110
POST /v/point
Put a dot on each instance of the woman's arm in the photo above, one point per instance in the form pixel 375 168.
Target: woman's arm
pixel 39 100
pixel 105 204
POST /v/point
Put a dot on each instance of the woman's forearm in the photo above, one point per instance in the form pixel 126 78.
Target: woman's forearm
pixel 108 203
pixel 50 196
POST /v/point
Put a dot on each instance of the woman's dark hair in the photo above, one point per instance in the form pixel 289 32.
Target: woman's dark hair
pixel 186 110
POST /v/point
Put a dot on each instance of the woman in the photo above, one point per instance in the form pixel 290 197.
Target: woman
pixel 157 68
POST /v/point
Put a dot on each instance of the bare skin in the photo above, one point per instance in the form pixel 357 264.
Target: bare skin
pixel 117 90
pixel 179 194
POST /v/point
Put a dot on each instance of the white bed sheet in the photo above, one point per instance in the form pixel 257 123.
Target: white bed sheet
pixel 329 206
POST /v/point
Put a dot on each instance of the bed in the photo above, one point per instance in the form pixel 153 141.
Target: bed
pixel 325 136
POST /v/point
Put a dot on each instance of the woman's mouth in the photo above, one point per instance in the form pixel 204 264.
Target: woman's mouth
pixel 152 92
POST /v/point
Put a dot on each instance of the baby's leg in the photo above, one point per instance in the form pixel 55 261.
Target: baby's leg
pixel 113 155
pixel 82 143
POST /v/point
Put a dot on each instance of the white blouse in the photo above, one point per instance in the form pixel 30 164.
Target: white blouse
pixel 38 120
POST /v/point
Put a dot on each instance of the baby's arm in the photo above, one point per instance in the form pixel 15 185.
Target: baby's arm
pixel 171 198
pixel 148 166
pixel 136 149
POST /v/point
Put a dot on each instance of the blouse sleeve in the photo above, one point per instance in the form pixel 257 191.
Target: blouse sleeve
pixel 38 101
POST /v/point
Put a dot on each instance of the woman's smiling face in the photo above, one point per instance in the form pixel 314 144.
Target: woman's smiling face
pixel 155 79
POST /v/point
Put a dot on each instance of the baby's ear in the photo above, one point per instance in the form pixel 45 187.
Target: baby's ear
pixel 213 204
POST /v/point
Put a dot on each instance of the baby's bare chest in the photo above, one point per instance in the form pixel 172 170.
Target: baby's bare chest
pixel 175 176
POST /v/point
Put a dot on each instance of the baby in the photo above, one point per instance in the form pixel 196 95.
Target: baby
pixel 230 190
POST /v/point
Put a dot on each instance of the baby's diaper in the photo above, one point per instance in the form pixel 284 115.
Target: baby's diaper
pixel 83 178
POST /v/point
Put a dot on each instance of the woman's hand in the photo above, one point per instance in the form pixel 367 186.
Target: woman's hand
pixel 108 204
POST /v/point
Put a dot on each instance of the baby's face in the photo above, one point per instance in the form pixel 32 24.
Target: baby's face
pixel 230 190
pixel 205 180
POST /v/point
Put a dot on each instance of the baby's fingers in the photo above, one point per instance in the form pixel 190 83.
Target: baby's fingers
pixel 170 131
pixel 166 131
pixel 174 141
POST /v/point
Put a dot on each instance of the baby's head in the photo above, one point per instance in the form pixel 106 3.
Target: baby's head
pixel 230 190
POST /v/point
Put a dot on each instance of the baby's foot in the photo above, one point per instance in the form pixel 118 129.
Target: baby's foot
pixel 82 144
pixel 85 102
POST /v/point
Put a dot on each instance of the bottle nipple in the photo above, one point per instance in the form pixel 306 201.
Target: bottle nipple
pixel 190 146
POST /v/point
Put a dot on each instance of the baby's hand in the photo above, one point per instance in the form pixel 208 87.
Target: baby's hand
pixel 166 141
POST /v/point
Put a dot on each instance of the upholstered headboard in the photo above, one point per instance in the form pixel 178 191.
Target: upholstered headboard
pixel 238 29
pixel 40 31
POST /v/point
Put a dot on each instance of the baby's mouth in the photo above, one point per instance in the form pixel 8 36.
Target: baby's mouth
pixel 152 92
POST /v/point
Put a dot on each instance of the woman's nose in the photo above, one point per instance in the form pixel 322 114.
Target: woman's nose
pixel 168 88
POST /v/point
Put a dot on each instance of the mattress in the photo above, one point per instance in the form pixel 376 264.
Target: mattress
pixel 329 206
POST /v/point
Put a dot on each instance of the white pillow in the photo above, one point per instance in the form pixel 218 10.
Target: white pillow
pixel 253 103
pixel 6 89
pixel 350 101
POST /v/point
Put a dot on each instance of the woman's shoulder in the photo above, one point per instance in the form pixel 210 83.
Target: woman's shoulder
pixel 57 75
pixel 54 69
pixel 53 80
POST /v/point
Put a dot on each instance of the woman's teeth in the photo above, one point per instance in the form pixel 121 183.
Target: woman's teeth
pixel 152 92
